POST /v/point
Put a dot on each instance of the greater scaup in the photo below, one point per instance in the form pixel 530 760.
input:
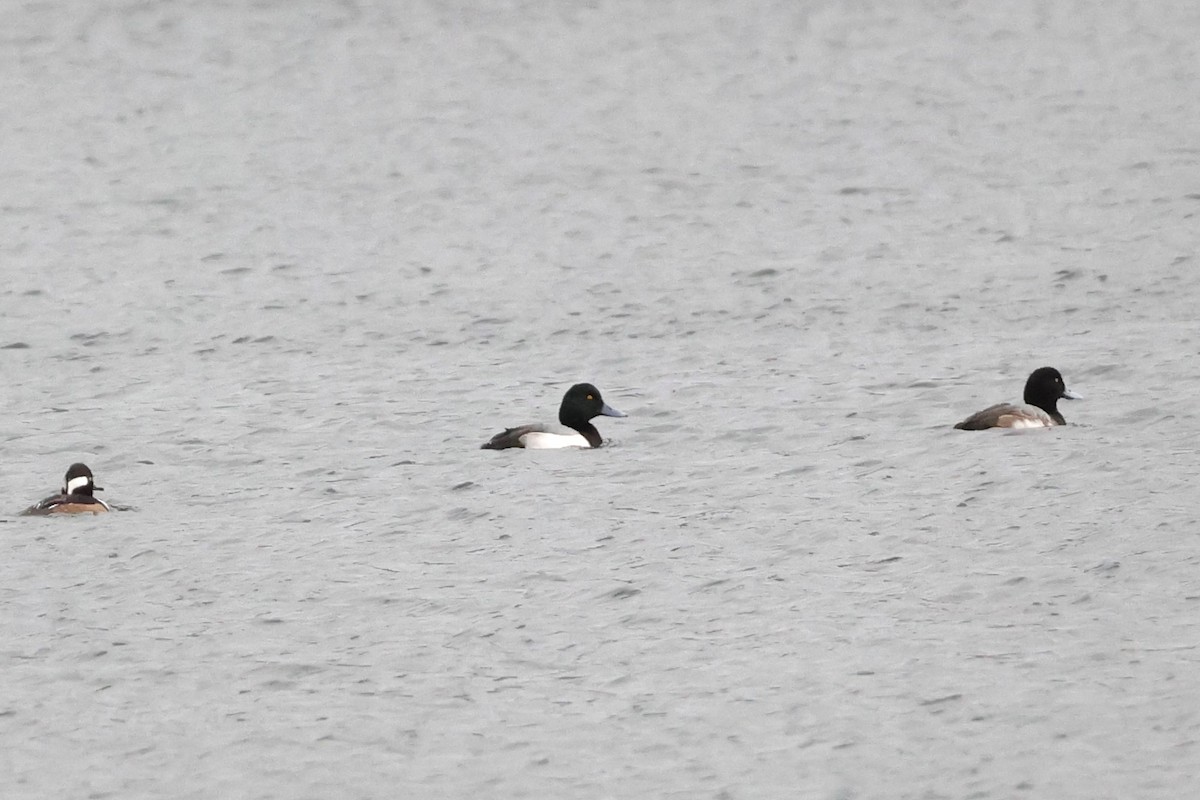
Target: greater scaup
pixel 75 497
pixel 1042 392
pixel 580 404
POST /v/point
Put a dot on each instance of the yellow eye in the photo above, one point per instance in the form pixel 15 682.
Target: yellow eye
pixel 590 397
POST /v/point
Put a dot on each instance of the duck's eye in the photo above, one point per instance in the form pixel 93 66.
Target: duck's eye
pixel 590 397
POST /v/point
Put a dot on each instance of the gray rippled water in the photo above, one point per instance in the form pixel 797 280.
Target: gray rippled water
pixel 275 270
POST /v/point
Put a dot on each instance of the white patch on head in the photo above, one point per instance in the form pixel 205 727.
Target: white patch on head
pixel 77 483
pixel 544 440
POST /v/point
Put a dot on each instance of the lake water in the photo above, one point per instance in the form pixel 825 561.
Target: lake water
pixel 275 270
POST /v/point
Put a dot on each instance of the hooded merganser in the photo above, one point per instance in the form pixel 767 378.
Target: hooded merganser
pixel 75 497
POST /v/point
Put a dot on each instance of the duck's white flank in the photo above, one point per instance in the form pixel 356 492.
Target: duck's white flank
pixel 547 440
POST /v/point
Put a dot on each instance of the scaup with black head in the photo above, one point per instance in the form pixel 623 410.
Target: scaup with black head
pixel 580 405
pixel 1043 390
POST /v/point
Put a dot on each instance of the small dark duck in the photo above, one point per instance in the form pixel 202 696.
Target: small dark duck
pixel 76 496
pixel 1043 390
pixel 580 405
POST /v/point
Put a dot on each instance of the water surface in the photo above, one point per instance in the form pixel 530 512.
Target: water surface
pixel 276 270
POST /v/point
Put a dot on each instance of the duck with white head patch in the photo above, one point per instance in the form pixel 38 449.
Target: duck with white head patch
pixel 76 496
pixel 1043 390
pixel 580 405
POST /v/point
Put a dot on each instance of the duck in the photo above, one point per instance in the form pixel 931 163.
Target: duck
pixel 580 405
pixel 1044 388
pixel 76 496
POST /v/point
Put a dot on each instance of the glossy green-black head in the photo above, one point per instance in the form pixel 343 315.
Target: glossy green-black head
pixel 581 403
pixel 1044 388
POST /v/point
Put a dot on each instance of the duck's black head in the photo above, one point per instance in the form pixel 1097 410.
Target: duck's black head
pixel 1044 388
pixel 581 403
pixel 79 480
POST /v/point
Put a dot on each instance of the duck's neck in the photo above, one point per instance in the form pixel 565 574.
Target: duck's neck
pixel 586 429
pixel 1050 407
pixel 591 434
